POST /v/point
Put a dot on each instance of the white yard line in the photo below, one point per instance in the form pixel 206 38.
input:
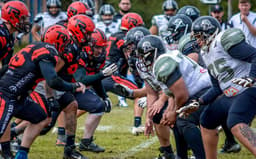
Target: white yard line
pixel 137 148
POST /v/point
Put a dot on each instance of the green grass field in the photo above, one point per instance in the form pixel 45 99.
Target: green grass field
pixel 114 134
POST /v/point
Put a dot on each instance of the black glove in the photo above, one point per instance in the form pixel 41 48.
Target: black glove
pixel 53 105
pixel 123 90
pixel 108 105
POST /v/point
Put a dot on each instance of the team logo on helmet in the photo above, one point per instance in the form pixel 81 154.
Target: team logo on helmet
pixel 73 10
pixel 138 35
pixel 13 10
pixel 62 36
pixel 132 22
pixel 146 46
pixel 178 23
pixel 206 25
pixel 190 11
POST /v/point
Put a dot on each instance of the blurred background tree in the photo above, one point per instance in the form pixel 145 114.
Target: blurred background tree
pixel 148 8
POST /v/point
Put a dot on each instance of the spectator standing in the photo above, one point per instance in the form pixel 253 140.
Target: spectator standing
pixel 52 16
pixel 246 21
pixel 218 13
pixel 124 7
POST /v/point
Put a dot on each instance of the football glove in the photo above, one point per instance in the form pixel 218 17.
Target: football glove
pixel 123 90
pixel 243 81
pixel 142 102
pixel 188 109
pixel 108 105
pixel 109 70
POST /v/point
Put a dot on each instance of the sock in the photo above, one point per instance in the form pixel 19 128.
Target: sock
pixel 137 121
pixel 25 149
pixel 87 141
pixel 166 149
pixel 70 140
pixel 6 147
pixel 61 131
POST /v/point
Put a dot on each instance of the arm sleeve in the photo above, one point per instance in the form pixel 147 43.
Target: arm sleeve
pixel 50 75
pixel 245 52
pixel 99 89
pixel 80 76
pixel 212 93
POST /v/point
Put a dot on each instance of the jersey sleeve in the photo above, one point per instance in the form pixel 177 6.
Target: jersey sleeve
pixel 38 18
pixel 46 54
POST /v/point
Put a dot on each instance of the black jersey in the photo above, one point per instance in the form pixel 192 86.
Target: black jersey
pixel 6 41
pixel 24 70
pixel 115 52
pixel 70 56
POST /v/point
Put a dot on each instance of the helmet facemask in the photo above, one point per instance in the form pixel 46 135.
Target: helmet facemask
pixel 24 26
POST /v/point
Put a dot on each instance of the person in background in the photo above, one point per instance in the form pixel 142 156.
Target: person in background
pixel 246 21
pixel 124 7
pixel 106 23
pixel 45 19
pixel 218 13
pixel 169 7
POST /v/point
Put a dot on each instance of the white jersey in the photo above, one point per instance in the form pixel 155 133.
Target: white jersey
pixel 46 19
pixel 238 23
pixel 195 77
pixel 161 22
pixel 107 29
pixel 224 68
pixel 149 77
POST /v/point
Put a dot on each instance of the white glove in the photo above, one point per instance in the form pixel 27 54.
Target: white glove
pixel 142 102
pixel 108 71
pixel 188 109
pixel 243 81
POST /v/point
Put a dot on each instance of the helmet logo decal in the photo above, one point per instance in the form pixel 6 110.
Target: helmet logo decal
pixel 62 35
pixel 80 24
pixel 13 10
pixel 206 25
pixel 146 46
pixel 73 10
pixel 190 11
pixel 178 23
pixel 132 22
pixel 138 35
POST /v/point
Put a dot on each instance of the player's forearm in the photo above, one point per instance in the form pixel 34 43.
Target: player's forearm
pixel 80 76
pixel 251 28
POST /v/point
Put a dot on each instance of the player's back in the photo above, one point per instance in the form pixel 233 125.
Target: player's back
pixel 24 70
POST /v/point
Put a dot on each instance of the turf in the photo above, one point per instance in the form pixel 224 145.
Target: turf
pixel 114 134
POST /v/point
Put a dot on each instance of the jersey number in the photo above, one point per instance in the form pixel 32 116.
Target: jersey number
pixel 17 60
pixel 218 67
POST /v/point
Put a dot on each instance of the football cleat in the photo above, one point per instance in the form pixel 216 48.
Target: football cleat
pixel 138 130
pixel 71 153
pixel 230 147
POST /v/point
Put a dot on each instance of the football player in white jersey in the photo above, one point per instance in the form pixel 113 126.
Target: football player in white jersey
pixel 161 108
pixel 232 66
pixel 106 23
pixel 169 7
pixel 45 19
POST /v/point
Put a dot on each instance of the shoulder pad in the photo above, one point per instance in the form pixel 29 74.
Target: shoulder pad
pixel 183 41
pixel 231 37
pixel 163 67
pixel 153 21
pixel 38 18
